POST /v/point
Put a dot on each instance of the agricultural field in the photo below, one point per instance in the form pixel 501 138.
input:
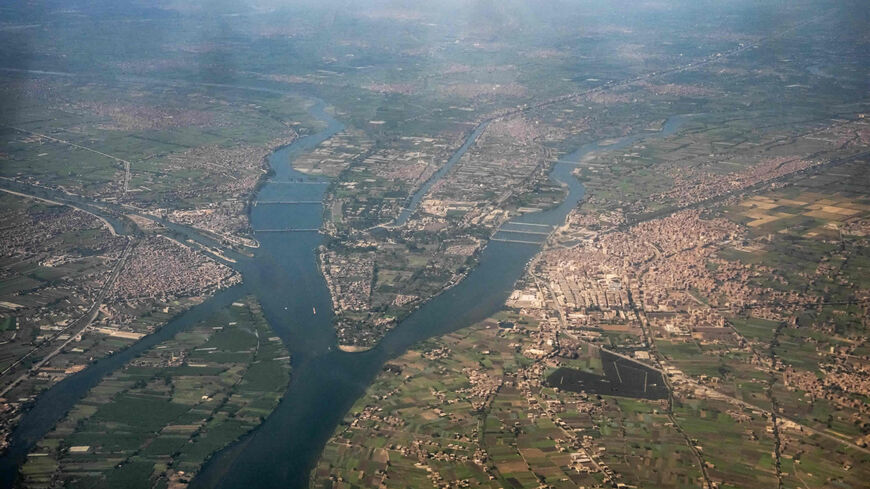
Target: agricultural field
pixel 51 276
pixel 185 151
pixel 777 377
pixel 153 423
pixel 473 408
pixel 476 408
pixel 795 355
pixel 700 319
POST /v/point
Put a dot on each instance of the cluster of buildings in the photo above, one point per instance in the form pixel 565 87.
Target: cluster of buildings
pixel 56 261
pixel 32 232
pixel 375 416
pixel 161 268
pixel 483 387
pixel 376 188
pixel 692 185
pixel 143 285
pixel 62 258
pixel 656 272
pixel 229 175
pixel 349 278
pixel 599 284
pixel 843 382
pixel 484 90
pixel 227 220
pixel 411 159
pixel 676 89
pixel 143 117
pixel 500 163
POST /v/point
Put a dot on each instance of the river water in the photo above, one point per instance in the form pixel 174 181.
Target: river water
pixel 284 276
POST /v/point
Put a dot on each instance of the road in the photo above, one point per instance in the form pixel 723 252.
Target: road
pixel 102 219
pixel 211 242
pixel 75 328
pixel 126 164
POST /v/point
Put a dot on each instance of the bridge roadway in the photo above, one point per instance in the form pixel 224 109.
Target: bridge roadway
pixel 539 233
pixel 291 182
pixel 505 240
pixel 529 224
pixel 288 202
pixel 288 230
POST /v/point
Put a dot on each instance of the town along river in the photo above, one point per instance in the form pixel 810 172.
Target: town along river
pixel 325 381
pixel 283 275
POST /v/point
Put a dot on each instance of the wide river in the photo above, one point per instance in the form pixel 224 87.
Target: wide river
pixel 284 276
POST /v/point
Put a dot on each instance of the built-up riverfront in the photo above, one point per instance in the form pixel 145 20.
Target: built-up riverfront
pixel 284 276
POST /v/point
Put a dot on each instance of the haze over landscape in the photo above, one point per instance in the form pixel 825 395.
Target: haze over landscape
pixel 468 243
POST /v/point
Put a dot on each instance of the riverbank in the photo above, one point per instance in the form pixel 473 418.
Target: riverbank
pixel 354 348
pixel 180 401
pixel 284 277
pixel 327 380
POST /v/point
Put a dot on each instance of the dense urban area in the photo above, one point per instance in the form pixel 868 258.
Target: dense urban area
pixel 479 244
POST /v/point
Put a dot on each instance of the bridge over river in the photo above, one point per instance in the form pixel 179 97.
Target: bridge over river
pixel 284 276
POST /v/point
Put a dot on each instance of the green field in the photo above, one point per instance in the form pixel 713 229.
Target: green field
pixel 165 413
